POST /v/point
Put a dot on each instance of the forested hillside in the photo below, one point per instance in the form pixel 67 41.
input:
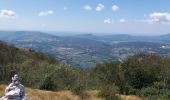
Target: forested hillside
pixel 143 75
pixel 13 60
pixel 38 70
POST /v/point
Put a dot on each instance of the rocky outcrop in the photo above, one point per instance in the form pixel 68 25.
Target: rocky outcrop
pixel 15 90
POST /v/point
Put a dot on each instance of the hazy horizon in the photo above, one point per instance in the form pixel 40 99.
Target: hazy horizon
pixel 67 33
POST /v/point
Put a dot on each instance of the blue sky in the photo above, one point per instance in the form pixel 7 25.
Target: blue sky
pixel 137 17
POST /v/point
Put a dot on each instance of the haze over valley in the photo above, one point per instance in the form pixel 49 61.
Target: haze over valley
pixel 86 50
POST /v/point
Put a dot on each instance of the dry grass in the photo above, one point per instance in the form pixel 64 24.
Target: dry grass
pixel 93 95
pixel 129 97
pixel 48 95
pixel 35 94
pixel 2 90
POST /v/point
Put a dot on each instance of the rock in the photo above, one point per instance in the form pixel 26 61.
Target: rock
pixel 15 90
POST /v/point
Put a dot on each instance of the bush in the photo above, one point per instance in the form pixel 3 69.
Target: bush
pixel 128 89
pixel 80 91
pixel 109 92
pixel 47 84
pixel 149 91
pixel 109 72
pixel 141 70
pixel 155 92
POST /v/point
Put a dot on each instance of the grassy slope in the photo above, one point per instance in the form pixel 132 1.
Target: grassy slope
pixel 35 94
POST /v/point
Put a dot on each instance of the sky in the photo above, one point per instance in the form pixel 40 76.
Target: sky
pixel 137 17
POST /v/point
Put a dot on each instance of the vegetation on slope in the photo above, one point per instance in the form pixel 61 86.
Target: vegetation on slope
pixel 144 75
pixel 36 69
pixel 40 71
pixel 35 94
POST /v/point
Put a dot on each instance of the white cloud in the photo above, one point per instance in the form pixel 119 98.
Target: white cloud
pixel 108 21
pixel 159 17
pixel 156 17
pixel 65 8
pixel 88 8
pixel 115 8
pixel 7 14
pixel 122 20
pixel 100 7
pixel 46 13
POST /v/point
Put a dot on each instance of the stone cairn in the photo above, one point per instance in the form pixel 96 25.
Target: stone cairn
pixel 15 90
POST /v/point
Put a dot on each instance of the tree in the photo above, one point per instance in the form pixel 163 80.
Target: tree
pixel 141 70
pixel 109 73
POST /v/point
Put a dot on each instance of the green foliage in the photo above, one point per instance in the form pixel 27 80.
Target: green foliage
pixel 155 92
pixel 109 72
pixel 145 75
pixel 109 92
pixel 79 89
pixel 127 89
pixel 38 70
pixel 47 84
pixel 141 70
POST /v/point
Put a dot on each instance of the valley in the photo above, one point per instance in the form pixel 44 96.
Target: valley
pixel 86 50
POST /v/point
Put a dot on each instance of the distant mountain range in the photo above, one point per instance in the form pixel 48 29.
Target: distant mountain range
pixel 86 50
pixel 127 38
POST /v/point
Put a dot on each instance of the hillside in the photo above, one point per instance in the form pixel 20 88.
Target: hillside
pixel 36 69
pixel 144 75
pixel 40 71
pixel 35 94
pixel 18 60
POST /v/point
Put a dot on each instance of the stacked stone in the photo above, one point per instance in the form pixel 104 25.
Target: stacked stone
pixel 15 90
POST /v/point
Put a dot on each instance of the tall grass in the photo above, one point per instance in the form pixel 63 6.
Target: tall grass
pixel 35 94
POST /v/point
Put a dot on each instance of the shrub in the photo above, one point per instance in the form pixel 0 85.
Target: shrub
pixel 155 92
pixel 109 92
pixel 47 84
